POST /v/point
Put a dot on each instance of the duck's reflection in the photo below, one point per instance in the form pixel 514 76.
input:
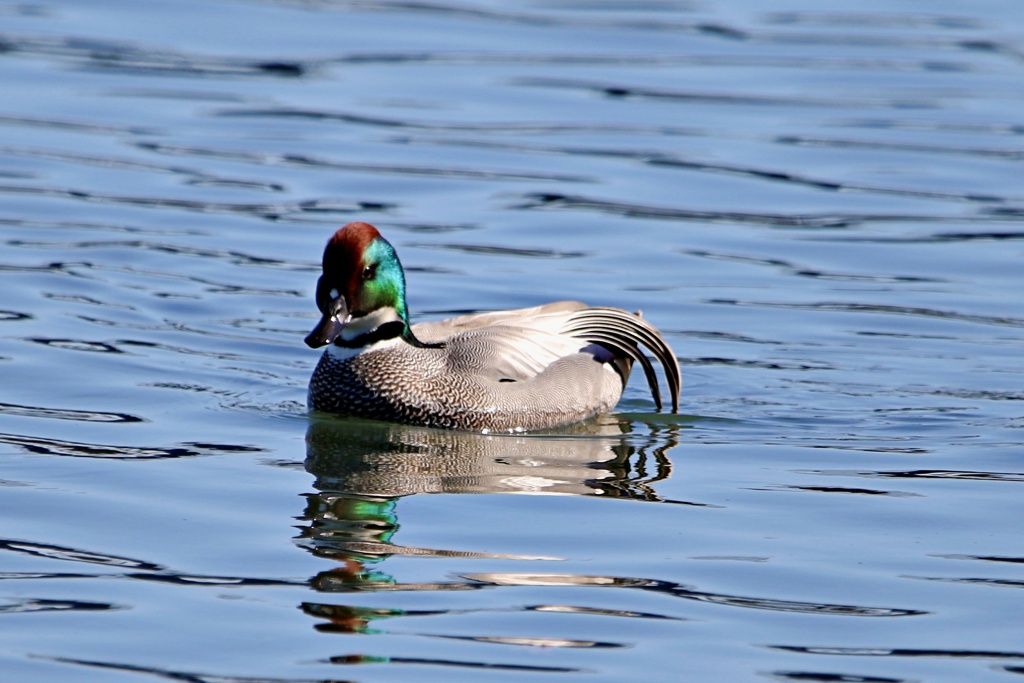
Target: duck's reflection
pixel 362 469
pixel 389 461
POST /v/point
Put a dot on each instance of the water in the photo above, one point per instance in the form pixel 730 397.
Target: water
pixel 820 208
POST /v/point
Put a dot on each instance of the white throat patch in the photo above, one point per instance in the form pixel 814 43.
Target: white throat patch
pixel 369 322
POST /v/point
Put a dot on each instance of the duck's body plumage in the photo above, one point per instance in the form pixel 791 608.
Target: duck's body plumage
pixel 522 369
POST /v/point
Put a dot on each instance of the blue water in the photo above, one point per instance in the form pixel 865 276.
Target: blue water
pixel 821 209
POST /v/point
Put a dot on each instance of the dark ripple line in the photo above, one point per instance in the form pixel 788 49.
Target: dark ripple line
pixel 76 126
pixel 710 29
pixel 66 414
pixel 212 285
pixel 984 558
pixel 176 675
pixel 76 345
pixel 963 475
pixel 881 308
pixel 697 60
pixel 108 55
pixel 309 161
pixel 341 613
pixel 503 127
pixel 76 226
pixel 973 581
pixel 161 576
pixel 848 490
pixel 58 552
pixel 45 446
pixel 952 474
pixel 269 211
pixel 561 201
pixel 575 20
pixel 832 185
pixel 759 364
pixel 64 268
pixel 495 250
pixel 830 677
pixel 668 160
pixel 23 605
pixel 148 571
pixel 940 237
pixel 986 128
pixel 900 652
pixel 8 316
pixel 680 591
pixel 641 93
pixel 837 143
pixel 87 300
pixel 489 666
pixel 433 171
pixel 235 257
pixel 848 19
pixel 195 176
pixel 119 56
pixel 803 271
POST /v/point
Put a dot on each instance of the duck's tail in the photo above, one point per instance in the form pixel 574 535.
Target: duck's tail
pixel 623 333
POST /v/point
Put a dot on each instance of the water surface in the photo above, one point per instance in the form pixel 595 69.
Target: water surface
pixel 820 208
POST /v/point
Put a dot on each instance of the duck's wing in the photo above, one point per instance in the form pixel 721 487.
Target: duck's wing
pixel 624 333
pixel 520 344
pixel 548 317
pixel 507 353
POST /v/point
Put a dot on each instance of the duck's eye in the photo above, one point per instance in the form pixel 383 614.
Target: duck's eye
pixel 369 272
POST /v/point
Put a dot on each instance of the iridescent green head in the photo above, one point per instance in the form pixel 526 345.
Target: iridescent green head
pixel 361 293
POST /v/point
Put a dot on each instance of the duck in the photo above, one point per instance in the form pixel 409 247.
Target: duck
pixel 505 371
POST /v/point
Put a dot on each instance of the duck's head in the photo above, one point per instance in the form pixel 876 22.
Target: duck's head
pixel 361 294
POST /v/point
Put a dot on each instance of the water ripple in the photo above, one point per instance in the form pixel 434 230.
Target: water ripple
pixel 662 159
pixel 831 677
pixel 549 200
pixel 497 127
pixel 176 674
pixel 838 143
pixel 66 414
pixel 804 271
pixel 74 126
pixel 97 53
pixel 902 652
pixel 496 250
pixel 929 474
pixel 310 161
pixel 882 308
pixel 22 605
pixel 232 256
pixel 56 552
pixel 8 316
pixel 193 176
pixel 677 590
pixel 746 99
pixel 269 211
pixel 44 446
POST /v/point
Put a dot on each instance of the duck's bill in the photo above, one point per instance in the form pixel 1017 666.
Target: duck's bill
pixel 335 318
pixel 325 332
